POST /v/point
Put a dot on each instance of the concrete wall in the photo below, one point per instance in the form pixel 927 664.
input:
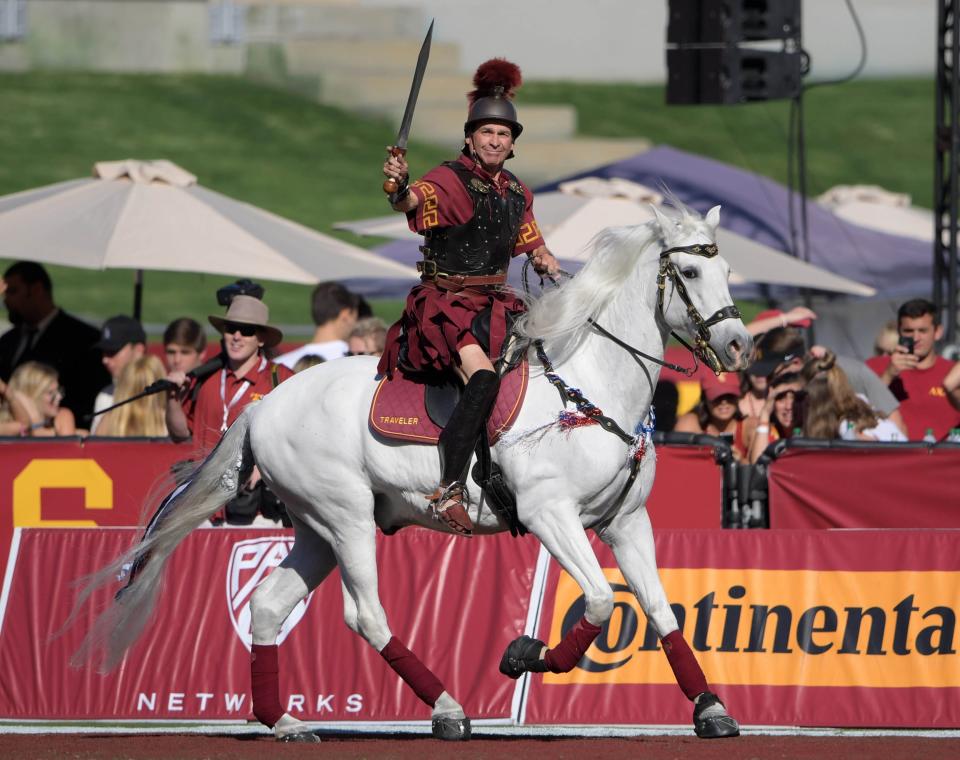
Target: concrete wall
pixel 601 40
pixel 118 35
pixel 623 40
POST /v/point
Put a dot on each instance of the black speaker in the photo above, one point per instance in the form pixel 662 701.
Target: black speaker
pixel 707 64
pixel 731 75
pixel 727 22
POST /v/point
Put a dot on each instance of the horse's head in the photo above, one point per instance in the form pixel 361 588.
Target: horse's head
pixel 693 291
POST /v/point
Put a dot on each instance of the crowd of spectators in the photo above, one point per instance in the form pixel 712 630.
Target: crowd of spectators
pixel 906 392
pixel 62 377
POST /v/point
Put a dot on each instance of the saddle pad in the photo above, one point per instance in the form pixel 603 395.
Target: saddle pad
pixel 398 411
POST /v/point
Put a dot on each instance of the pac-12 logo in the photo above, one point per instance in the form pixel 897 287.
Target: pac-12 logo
pixel 250 562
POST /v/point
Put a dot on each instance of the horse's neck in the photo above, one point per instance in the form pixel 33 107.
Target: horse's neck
pixel 606 373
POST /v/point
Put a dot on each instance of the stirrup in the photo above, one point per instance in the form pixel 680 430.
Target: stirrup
pixel 447 503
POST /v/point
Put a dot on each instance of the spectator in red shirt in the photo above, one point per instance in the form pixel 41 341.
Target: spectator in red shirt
pixel 916 374
pixel 247 376
pixel 474 216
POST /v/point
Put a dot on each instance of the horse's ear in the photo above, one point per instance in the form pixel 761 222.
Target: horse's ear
pixel 713 218
pixel 667 227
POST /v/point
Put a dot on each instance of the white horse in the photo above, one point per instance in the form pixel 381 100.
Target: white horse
pixel 340 482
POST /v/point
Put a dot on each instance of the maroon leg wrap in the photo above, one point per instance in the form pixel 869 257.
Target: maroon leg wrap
pixel 564 656
pixel 416 675
pixel 685 667
pixel 265 683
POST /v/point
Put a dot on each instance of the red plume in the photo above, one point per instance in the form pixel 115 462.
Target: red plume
pixel 497 72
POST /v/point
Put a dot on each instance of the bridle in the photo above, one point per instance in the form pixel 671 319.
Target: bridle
pixel 668 268
pixel 701 349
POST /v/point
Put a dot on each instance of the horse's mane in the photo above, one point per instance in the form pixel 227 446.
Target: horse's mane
pixel 561 315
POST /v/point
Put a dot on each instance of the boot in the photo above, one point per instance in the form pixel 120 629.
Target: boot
pixel 457 443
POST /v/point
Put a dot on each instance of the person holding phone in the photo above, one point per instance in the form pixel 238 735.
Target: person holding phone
pixel 915 373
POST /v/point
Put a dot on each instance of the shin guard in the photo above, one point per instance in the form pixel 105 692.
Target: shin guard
pixel 414 673
pixel 564 656
pixel 685 667
pixel 265 683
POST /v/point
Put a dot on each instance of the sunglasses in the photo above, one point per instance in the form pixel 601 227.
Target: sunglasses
pixel 247 331
pixel 357 353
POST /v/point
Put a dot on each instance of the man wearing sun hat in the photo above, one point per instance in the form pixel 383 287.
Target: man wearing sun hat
pixel 247 375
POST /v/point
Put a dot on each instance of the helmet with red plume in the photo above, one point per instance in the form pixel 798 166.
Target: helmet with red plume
pixel 495 82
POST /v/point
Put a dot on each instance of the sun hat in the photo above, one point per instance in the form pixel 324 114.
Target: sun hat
pixel 247 310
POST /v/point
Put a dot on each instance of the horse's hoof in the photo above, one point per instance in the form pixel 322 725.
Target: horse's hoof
pixel 451 729
pixel 522 655
pixel 300 737
pixel 710 718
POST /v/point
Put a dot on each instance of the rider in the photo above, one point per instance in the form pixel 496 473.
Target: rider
pixel 474 215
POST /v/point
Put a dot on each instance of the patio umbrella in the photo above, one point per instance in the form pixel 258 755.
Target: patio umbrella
pixel 569 222
pixel 153 215
pixel 878 209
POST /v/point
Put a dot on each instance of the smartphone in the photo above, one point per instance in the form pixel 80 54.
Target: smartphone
pixel 907 342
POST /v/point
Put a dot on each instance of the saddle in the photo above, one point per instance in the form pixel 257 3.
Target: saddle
pixel 414 407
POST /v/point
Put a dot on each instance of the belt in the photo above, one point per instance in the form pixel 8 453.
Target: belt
pixel 445 279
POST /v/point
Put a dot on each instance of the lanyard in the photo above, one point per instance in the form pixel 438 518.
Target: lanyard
pixel 236 396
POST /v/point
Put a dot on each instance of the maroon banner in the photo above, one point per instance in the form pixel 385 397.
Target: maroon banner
pixel 688 489
pixel 892 488
pixel 94 482
pixel 456 603
pixel 80 483
pixel 816 628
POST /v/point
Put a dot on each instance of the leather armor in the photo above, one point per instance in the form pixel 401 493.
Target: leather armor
pixel 483 245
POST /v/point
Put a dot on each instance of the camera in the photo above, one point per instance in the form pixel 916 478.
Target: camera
pixel 243 287
pixel 907 342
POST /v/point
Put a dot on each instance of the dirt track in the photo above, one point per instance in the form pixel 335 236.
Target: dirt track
pixel 187 747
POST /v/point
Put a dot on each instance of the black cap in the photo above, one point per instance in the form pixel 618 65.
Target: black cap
pixel 766 360
pixel 118 332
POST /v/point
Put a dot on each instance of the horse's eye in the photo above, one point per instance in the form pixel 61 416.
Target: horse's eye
pixel 690 273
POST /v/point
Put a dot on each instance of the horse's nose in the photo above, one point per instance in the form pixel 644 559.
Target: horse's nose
pixel 739 352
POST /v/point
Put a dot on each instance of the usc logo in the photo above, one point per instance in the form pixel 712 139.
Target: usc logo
pixel 41 474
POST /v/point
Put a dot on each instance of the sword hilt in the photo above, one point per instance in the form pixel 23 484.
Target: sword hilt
pixel 391 186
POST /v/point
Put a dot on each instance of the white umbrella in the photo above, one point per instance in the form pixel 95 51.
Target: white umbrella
pixel 569 222
pixel 152 215
pixel 878 209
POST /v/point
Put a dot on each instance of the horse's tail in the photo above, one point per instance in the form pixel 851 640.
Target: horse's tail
pixel 214 482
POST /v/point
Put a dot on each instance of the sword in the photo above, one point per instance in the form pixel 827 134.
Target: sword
pixel 400 147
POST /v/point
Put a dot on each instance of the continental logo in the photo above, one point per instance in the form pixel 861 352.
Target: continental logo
pixel 779 627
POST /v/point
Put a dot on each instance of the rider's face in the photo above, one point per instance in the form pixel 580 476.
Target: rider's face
pixel 491 144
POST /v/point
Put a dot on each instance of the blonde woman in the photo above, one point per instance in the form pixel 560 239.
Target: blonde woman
pixel 834 411
pixel 145 417
pixel 14 414
pixel 37 388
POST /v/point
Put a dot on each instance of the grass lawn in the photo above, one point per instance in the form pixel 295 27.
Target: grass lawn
pixel 317 165
pixel 863 132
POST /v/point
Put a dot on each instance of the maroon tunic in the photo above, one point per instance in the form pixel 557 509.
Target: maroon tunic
pixel 436 322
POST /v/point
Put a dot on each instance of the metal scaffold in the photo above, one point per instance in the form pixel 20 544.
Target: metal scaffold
pixel 945 191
